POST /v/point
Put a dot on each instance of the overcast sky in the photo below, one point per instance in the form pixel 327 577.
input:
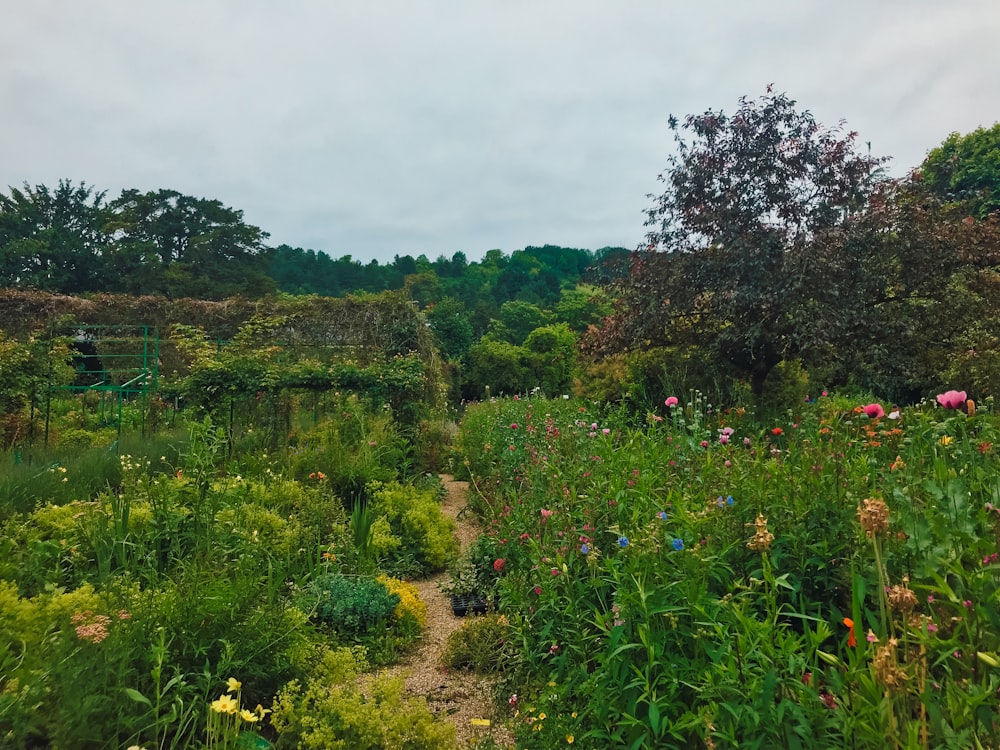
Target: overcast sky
pixel 376 127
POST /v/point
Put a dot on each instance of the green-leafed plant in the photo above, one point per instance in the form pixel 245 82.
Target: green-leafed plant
pixel 426 539
pixel 480 644
pixel 335 708
pixel 710 577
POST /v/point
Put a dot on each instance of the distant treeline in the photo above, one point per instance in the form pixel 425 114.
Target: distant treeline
pixel 72 240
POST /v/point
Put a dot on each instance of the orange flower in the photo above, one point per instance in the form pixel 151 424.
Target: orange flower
pixel 851 640
pixel 777 431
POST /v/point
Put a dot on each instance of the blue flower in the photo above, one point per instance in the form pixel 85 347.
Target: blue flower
pixel 623 541
pixel 729 500
pixel 662 515
pixel 719 501
pixel 678 544
pixel 585 548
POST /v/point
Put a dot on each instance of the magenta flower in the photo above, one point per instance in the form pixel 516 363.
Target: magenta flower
pixel 671 401
pixel 952 399
pixel 874 411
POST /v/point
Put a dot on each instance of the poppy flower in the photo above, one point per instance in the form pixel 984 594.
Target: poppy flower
pixel 851 640
pixel 874 411
pixel 952 399
pixel 777 431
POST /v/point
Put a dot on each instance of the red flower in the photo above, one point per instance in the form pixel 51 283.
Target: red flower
pixel 498 564
pixel 777 431
pixel 851 640
pixel 874 411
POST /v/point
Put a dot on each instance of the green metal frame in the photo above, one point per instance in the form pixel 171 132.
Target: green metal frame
pixel 122 374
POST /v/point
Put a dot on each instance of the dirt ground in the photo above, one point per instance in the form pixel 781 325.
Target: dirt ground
pixel 453 695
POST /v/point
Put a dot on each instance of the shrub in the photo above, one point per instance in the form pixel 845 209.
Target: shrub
pixel 411 612
pixel 353 607
pixel 480 644
pixel 336 709
pixel 415 517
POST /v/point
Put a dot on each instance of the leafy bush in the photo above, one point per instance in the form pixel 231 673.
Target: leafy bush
pixel 350 451
pixel 426 535
pixel 353 607
pixel 336 709
pixel 411 612
pixel 480 644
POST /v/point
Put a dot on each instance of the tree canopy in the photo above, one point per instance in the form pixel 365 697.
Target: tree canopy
pixel 966 169
pixel 737 243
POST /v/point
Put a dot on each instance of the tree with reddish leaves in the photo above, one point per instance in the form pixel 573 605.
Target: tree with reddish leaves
pixel 744 250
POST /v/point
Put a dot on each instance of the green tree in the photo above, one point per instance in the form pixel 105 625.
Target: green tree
pixel 582 306
pixel 449 320
pixel 203 248
pixel 498 366
pixel 424 288
pixel 516 320
pixel 966 169
pixel 738 246
pixel 53 239
pixel 552 352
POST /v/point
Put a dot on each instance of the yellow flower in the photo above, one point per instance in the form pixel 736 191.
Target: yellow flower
pixel 552 684
pixel 225 705
pixel 541 716
pixel 261 710
pixel 569 739
pixel 249 716
pixel 573 714
pixel 233 684
pixel 946 439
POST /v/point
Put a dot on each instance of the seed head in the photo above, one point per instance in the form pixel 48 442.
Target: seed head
pixel 873 515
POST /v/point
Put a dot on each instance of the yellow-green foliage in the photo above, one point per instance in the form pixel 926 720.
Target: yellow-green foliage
pixel 320 517
pixel 338 709
pixel 262 526
pixel 415 517
pixel 384 543
pixel 33 636
pixel 410 604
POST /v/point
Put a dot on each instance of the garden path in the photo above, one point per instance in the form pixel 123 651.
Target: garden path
pixel 453 695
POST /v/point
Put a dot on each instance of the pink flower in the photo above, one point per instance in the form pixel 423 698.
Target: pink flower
pixel 538 590
pixel 704 443
pixel 545 513
pixel 952 399
pixel 671 401
pixel 513 425
pixel 874 411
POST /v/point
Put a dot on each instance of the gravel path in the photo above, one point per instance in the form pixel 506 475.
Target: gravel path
pixel 454 695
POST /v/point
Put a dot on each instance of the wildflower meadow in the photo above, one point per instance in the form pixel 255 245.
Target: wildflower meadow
pixel 705 578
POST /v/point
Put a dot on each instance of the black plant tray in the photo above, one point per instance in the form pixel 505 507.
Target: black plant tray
pixel 468 605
